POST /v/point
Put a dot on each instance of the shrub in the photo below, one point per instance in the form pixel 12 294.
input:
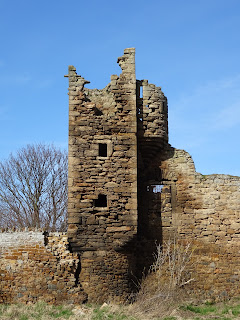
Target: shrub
pixel 166 282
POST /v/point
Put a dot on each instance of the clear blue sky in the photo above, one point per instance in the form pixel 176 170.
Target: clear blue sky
pixel 189 48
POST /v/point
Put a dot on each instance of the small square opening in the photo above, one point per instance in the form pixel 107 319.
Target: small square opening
pixel 102 150
pixel 101 201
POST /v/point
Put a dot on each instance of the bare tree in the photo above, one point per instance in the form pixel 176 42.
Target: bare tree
pixel 33 188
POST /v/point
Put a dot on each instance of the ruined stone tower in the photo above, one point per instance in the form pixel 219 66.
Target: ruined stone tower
pixel 128 191
pixel 113 134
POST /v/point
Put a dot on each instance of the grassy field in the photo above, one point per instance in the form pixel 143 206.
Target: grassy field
pixel 42 311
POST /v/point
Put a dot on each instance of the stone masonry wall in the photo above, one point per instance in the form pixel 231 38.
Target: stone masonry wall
pixel 35 266
pixel 205 212
pixel 103 118
pixel 152 111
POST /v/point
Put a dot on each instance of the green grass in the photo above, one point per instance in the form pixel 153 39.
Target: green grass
pixel 203 310
pixel 224 311
pixel 234 310
pixel 60 311
pixel 38 311
pixel 43 311
pixel 106 313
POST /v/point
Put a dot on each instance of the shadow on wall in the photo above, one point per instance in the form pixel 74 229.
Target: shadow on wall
pixel 156 198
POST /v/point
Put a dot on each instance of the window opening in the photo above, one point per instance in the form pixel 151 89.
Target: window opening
pixel 101 201
pixel 141 91
pixel 102 149
pixel 155 188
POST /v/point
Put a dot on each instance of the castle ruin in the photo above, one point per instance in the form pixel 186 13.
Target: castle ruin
pixel 128 190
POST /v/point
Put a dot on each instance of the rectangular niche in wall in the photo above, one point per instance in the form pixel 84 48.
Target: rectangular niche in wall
pixel 103 147
pixel 101 201
pixel 102 150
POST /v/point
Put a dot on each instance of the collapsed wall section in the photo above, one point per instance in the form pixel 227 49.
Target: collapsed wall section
pixel 35 266
pixel 102 198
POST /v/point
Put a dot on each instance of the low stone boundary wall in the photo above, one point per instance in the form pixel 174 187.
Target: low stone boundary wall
pixel 38 266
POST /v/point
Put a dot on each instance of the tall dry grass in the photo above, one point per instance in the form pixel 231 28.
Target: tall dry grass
pixel 164 287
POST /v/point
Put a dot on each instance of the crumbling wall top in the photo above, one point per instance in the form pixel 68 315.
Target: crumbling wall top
pixel 127 61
